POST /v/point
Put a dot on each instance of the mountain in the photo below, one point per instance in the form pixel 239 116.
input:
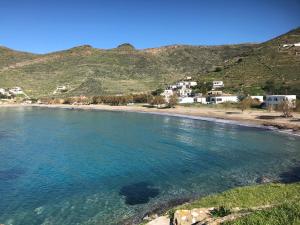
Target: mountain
pixel 125 69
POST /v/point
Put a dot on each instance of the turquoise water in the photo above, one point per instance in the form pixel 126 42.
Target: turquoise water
pixel 90 167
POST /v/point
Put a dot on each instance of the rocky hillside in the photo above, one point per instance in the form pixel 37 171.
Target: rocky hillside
pixel 91 71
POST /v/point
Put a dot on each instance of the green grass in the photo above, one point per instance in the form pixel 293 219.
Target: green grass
pixel 250 196
pixel 285 214
pixel 285 199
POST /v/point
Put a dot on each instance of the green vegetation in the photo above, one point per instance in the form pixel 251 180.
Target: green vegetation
pixel 220 212
pixel 287 213
pixel 284 200
pixel 250 196
pixel 88 71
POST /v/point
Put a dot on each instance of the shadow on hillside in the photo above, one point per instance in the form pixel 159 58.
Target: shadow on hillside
pixel 291 176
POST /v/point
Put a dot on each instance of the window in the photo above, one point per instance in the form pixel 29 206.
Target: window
pixel 219 99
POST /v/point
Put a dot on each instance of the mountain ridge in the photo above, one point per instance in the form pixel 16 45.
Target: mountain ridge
pixel 125 69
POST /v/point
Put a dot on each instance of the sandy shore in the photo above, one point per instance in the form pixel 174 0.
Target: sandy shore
pixel 249 117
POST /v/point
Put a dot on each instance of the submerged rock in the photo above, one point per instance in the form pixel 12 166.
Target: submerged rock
pixel 264 180
pixel 138 193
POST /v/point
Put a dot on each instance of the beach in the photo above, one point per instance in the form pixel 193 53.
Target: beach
pixel 251 117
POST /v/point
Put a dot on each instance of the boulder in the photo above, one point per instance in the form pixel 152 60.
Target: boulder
pixel 188 217
pixel 162 220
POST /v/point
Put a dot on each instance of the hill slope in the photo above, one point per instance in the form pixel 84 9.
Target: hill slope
pixel 90 71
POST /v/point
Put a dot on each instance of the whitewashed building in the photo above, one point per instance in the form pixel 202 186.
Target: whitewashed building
pixel 2 91
pixel 273 100
pixel 202 100
pixel 213 92
pixel 224 98
pixel 192 83
pixel 185 100
pixel 60 89
pixel 16 91
pixel 218 84
pixel 185 92
pixel 167 94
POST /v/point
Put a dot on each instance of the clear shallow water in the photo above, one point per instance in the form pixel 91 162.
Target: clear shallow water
pixel 77 167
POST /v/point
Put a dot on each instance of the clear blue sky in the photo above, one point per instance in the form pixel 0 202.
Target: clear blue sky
pixel 49 25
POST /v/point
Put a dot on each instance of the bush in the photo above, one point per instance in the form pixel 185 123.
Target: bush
pixel 173 101
pixel 286 108
pixel 220 212
pixel 141 98
pixel 245 103
pixel 158 100
pixel 157 92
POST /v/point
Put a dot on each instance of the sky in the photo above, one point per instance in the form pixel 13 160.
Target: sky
pixel 42 26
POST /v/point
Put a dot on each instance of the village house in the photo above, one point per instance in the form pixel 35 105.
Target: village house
pixel 2 91
pixel 16 91
pixel 215 93
pixel 202 100
pixel 274 100
pixel 291 45
pixel 185 100
pixel 60 89
pixel 185 91
pixel 224 98
pixel 218 84
pixel 167 94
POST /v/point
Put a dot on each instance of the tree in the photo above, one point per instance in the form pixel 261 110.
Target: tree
pixel 203 87
pixel 173 100
pixel 245 103
pixel 158 100
pixel 157 92
pixel 286 108
pixel 269 86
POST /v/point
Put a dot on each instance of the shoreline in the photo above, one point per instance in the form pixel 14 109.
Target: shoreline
pixel 251 118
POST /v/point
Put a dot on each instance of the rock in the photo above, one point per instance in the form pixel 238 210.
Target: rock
pixel 150 217
pixel 263 180
pixel 162 220
pixel 188 217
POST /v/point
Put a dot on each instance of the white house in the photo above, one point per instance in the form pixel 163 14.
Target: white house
pixel 184 91
pixel 16 91
pixel 193 83
pixel 297 44
pixel 167 94
pixel 224 98
pixel 218 84
pixel 202 100
pixel 173 86
pixel 60 89
pixel 259 98
pixel 185 100
pixel 212 92
pixel 188 78
pixel 273 100
pixel 180 84
pixel 2 91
